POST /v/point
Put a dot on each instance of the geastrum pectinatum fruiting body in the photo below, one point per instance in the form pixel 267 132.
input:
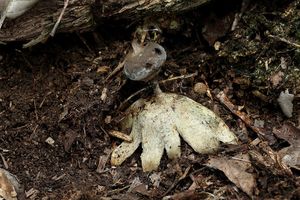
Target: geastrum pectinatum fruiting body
pixel 158 123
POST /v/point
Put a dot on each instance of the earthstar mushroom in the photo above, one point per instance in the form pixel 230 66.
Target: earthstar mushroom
pixel 157 123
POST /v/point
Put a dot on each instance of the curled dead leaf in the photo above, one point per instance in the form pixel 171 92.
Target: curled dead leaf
pixel 236 171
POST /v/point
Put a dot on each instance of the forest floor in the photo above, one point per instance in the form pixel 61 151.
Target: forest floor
pixel 57 106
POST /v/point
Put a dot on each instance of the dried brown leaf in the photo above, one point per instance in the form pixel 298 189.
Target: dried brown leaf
pixel 289 133
pixel 236 171
pixel 269 160
pixel 291 156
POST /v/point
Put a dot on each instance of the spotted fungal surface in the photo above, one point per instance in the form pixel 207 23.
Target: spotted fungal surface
pixel 144 62
pixel 158 122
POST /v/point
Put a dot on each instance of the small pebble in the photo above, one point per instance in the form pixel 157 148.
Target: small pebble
pixel 259 123
pixel 200 88
pixel 50 141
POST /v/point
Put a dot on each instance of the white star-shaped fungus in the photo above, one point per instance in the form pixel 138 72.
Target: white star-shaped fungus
pixel 158 122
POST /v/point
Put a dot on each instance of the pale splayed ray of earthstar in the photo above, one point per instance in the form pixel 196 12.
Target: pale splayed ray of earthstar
pixel 158 122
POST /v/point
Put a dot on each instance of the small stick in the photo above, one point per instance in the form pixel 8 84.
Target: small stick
pixel 284 40
pixel 177 181
pixel 160 82
pixel 66 2
pixel 243 116
pixel 4 161
pixel 4 150
pixel 179 77
pixel 118 190
pixel 85 43
pixel 131 96
pixel 240 159
pixel 120 135
pixel 116 70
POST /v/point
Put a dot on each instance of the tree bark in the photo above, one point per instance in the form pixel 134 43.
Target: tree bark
pixel 80 15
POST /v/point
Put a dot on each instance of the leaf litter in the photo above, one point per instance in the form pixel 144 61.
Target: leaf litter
pixel 67 90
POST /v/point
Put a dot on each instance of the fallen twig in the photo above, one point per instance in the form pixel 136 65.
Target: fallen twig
pixel 118 190
pixel 116 70
pixel 283 40
pixel 179 77
pixel 148 87
pixel 122 105
pixel 66 3
pixel 177 181
pixel 120 135
pixel 244 117
pixel 4 161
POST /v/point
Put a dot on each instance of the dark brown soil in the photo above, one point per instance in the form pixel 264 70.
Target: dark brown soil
pixel 54 90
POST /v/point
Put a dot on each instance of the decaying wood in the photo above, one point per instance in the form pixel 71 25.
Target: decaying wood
pixel 80 15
